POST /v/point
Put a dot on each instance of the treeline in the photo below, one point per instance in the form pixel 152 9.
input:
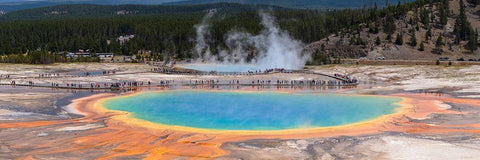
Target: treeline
pixel 42 57
pixel 464 31
pixel 474 2
pixel 311 4
pixel 168 35
pixel 96 11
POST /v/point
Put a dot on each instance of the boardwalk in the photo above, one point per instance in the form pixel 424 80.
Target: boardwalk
pixel 86 81
pixel 108 85
pixel 192 72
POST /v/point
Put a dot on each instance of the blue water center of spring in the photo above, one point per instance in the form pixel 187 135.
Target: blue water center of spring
pixel 227 110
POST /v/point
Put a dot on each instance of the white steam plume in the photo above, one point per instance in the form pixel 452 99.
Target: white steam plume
pixel 274 48
pixel 202 49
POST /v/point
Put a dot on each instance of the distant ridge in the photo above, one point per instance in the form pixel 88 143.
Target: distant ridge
pixel 302 4
pixel 9 6
pixel 90 11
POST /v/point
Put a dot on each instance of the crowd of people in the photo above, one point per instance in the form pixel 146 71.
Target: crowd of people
pixel 74 85
pixel 343 78
pixel 302 82
pixel 48 75
pixel 258 82
pixel 54 84
pixel 339 79
pixel 347 79
pixel 271 82
pixel 233 81
pixel 250 72
pixel 4 76
pixel 197 82
pixel 271 70
pixel 109 72
pixel 54 75
pixel 207 81
pixel 104 72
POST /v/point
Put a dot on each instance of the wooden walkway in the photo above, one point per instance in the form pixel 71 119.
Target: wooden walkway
pixel 74 76
pixel 336 81
pixel 88 87
pixel 200 73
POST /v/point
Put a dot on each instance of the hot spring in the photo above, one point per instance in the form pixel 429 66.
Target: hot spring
pixel 272 47
pixel 223 67
pixel 228 110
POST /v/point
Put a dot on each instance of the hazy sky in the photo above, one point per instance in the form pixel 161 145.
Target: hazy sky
pixel 17 0
pixel 3 1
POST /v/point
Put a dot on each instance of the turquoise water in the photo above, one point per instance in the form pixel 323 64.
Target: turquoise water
pixel 226 110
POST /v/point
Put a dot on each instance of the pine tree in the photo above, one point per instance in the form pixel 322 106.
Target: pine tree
pixel 352 40
pixel 377 41
pixel 389 26
pixel 399 40
pixel 413 40
pixel 428 34
pixel 422 47
pixel 462 28
pixel 439 42
pixel 432 16
pixel 425 17
pixel 473 42
pixel 389 37
pixel 444 9
pixel 474 2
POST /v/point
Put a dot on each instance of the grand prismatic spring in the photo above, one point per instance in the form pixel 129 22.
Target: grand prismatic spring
pixel 224 110
pixel 229 120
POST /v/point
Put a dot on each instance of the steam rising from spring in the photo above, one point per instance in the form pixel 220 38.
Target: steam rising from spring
pixel 201 46
pixel 274 47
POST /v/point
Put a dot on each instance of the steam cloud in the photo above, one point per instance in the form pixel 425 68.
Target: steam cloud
pixel 202 49
pixel 274 48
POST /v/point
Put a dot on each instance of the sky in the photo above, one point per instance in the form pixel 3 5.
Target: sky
pixel 4 1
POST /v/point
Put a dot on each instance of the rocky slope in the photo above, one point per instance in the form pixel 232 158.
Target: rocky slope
pixel 343 44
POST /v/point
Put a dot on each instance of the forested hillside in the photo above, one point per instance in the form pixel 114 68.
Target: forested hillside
pixel 12 5
pixel 164 33
pixel 16 5
pixel 98 11
pixel 302 4
pixel 445 29
pixel 173 34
